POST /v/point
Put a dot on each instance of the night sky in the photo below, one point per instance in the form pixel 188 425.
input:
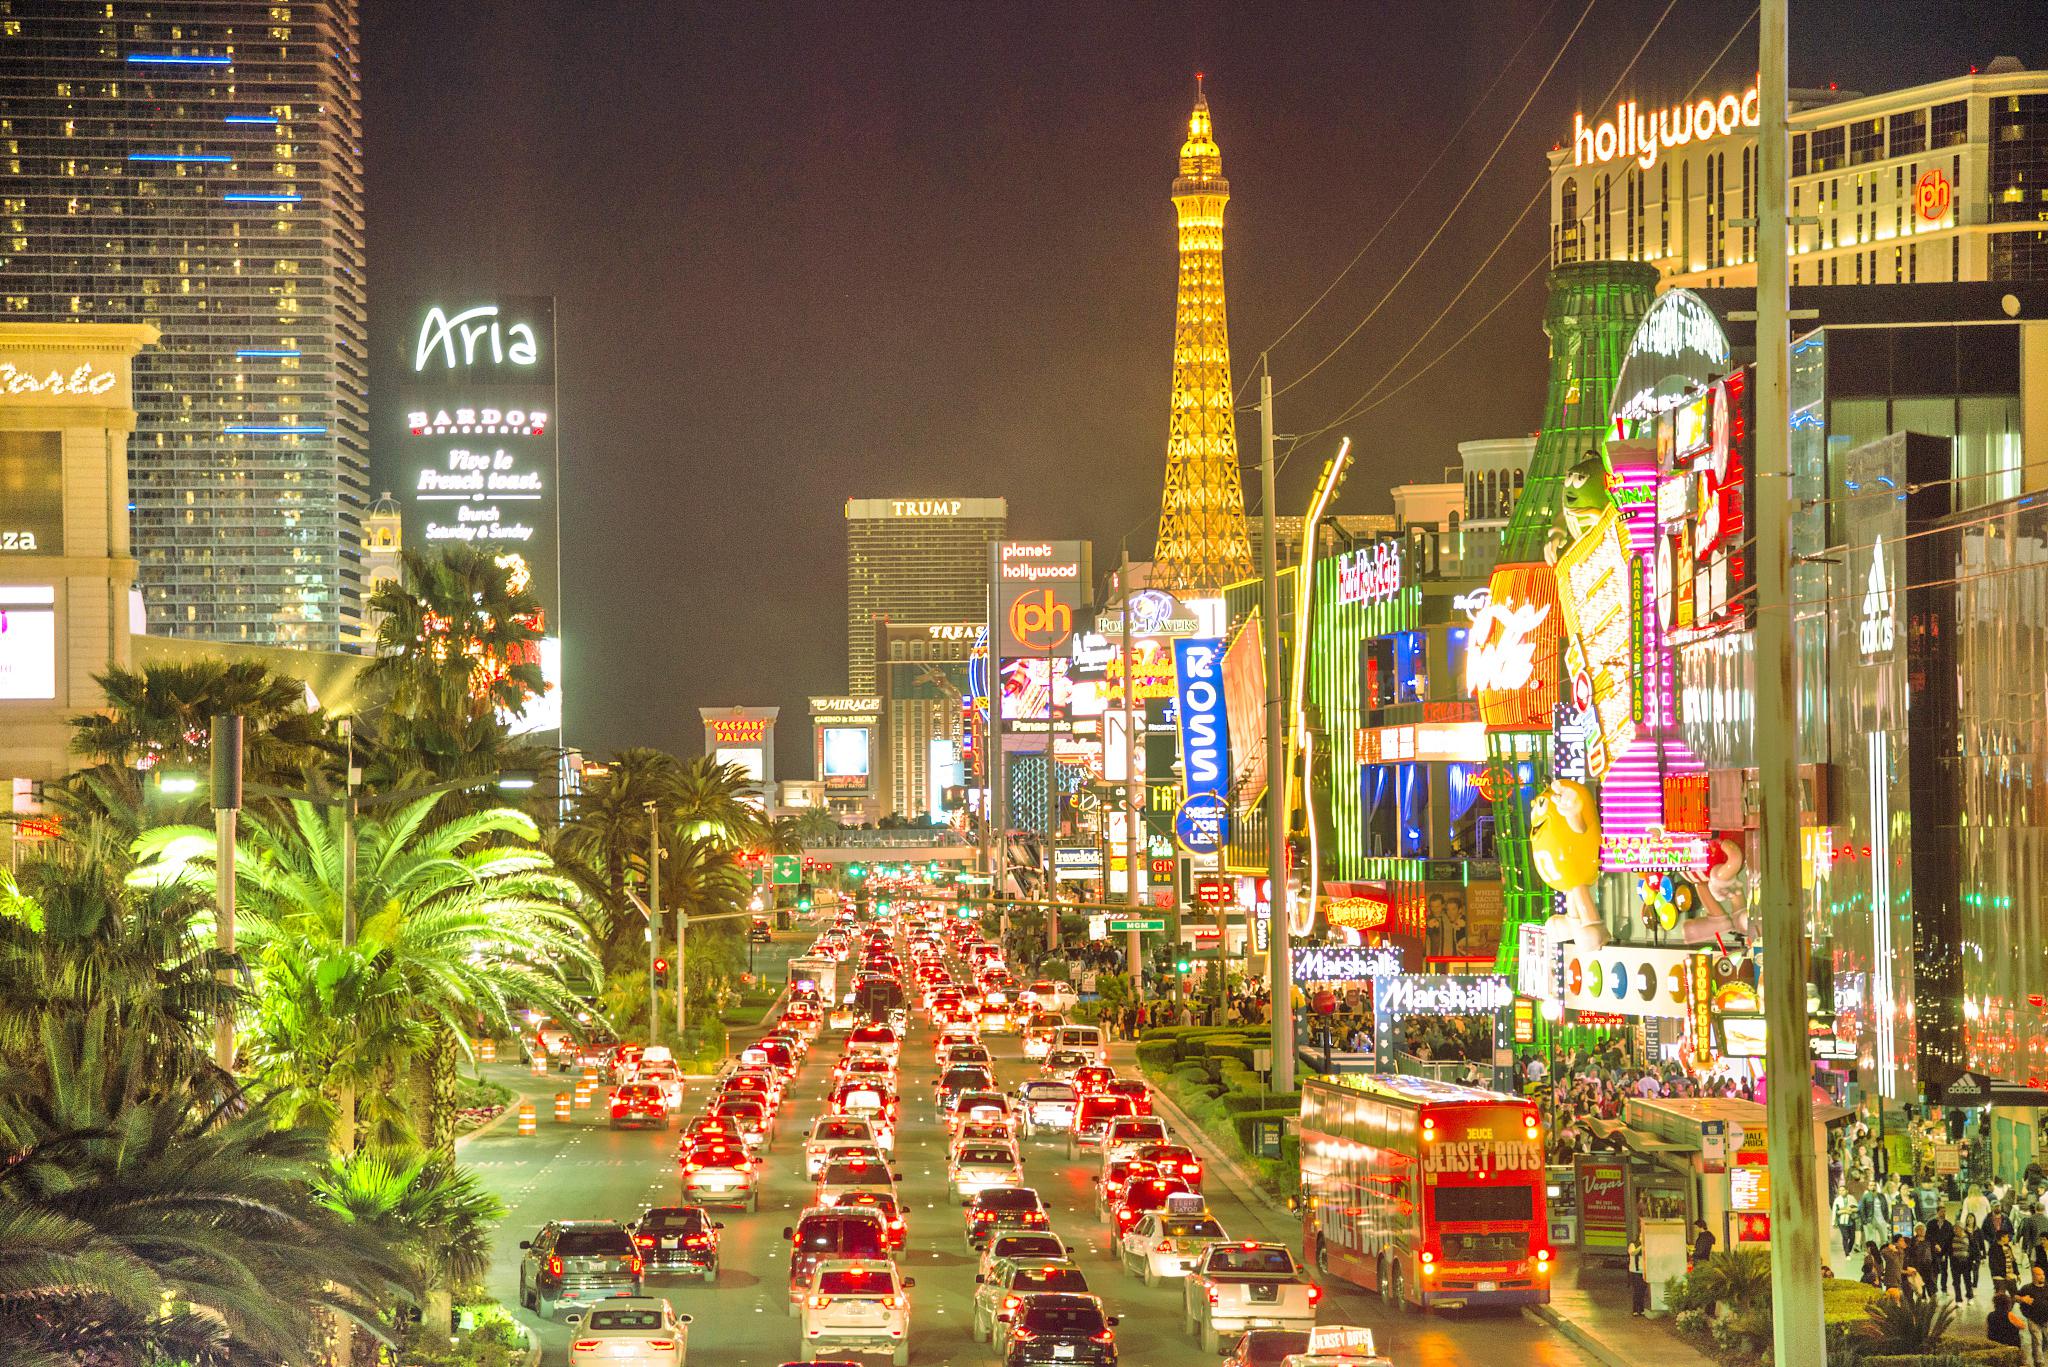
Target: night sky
pixel 805 252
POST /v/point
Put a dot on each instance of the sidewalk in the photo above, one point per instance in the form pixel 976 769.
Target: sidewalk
pixel 1597 1319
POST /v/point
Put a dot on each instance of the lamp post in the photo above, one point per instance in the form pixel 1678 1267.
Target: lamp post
pixel 654 929
pixel 226 798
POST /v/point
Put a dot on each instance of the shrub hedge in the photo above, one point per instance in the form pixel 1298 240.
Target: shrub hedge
pixel 1984 1355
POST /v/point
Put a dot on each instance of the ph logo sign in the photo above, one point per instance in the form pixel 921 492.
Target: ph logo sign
pixel 1039 621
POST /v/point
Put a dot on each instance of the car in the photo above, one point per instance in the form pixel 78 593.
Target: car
pixel 976 1167
pixel 1029 1245
pixel 859 1173
pixel 1039 1034
pixel 826 1234
pixel 1140 1195
pixel 971 1051
pixel 1061 1327
pixel 1267 1347
pixel 638 1103
pixel 1060 1065
pixel 962 1077
pixel 1086 1039
pixel 1001 1208
pixel 884 1204
pixel 865 1098
pixel 999 1292
pixel 841 1017
pixel 1169 1160
pixel 981 1131
pixel 1162 1246
pixel 1125 1135
pixel 1047 995
pixel 721 1173
pixel 781 1054
pixel 976 1105
pixel 705 1128
pixel 1241 1286
pixel 1046 1106
pixel 1092 1078
pixel 760 1083
pixel 997 1018
pixel 1091 1121
pixel 875 1039
pixel 858 1304
pixel 577 1262
pixel 665 1075
pixel 1135 1089
pixel 831 1132
pixel 865 1066
pixel 677 1239
pixel 755 1119
pixel 630 1331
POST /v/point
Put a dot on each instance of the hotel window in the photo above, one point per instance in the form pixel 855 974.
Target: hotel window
pixel 1798 155
pixel 1950 124
pixel 1866 141
pixel 2019 158
pixel 1913 264
pixel 1859 268
pixel 1898 264
pixel 1664 209
pixel 1827 149
pixel 1748 153
pixel 1685 214
pixel 1909 133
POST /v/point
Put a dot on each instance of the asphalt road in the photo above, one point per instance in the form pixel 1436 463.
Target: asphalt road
pixel 584 1170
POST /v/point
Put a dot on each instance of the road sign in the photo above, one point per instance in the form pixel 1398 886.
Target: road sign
pixel 788 870
pixel 1203 823
pixel 1121 927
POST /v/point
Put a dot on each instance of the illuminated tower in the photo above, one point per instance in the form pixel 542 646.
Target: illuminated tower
pixel 1202 540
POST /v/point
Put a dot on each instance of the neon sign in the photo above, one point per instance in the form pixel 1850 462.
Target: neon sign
pixel 439 333
pixel 1879 627
pixel 740 730
pixel 1932 194
pixel 85 380
pixel 1204 729
pixel 1632 133
pixel 1369 575
pixel 1511 650
pixel 925 507
pixel 1597 575
pixel 507 421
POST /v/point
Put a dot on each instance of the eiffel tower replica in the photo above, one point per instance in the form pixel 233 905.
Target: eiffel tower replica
pixel 1203 544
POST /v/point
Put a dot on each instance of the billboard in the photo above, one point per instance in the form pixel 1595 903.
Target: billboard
pixel 480 454
pixel 28 642
pixel 1244 704
pixel 844 756
pixel 1204 727
pixel 1039 588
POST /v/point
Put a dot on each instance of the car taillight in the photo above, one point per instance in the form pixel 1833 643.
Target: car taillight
pixel 1543 1256
pixel 1166 1246
pixel 820 1302
pixel 644 1240
pixel 1023 1335
pixel 1315 1293
pixel 1012 1302
pixel 888 1302
pixel 698 1240
pixel 555 1266
pixel 661 1345
pixel 1213 1298
pixel 586 1345
pixel 1106 1336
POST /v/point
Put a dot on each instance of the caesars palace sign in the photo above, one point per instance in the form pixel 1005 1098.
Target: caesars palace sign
pixel 1632 132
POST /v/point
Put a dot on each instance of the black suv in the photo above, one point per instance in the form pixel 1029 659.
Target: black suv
pixel 1060 1326
pixel 678 1239
pixel 577 1261
pixel 829 1235
pixel 1003 1210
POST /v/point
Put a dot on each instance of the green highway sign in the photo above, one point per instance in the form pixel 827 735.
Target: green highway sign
pixel 788 870
pixel 1120 927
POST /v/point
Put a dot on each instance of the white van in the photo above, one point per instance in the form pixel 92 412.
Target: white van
pixel 1084 1039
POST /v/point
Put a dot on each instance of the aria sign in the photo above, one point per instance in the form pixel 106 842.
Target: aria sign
pixel 1633 133
pixel 453 342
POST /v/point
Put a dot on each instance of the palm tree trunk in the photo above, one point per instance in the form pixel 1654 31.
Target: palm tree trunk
pixel 439 1136
pixel 345 1118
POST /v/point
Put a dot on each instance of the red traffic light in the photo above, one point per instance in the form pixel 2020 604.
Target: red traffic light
pixel 661 965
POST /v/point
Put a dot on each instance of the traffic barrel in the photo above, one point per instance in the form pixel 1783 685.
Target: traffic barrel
pixel 487 1051
pixel 529 1121
pixel 562 1106
pixel 540 1063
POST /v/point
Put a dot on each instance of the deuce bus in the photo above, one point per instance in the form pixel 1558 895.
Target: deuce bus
pixel 1430 1193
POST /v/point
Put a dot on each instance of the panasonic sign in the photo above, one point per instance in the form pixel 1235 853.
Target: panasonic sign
pixel 1204 728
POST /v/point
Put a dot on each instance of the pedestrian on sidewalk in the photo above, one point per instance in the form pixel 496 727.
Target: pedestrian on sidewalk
pixel 1874 1215
pixel 1845 1222
pixel 1941 1239
pixel 1638 1283
pixel 2003 1260
pixel 2033 1303
pixel 1965 1257
pixel 1702 1244
pixel 1894 1256
pixel 1873 1266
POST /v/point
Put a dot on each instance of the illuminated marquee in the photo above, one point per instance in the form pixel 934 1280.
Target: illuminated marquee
pixel 925 507
pixel 1629 980
pixel 446 421
pixel 86 380
pixel 1511 649
pixel 740 730
pixel 1633 133
pixel 1369 575
pixel 1597 574
pixel 455 340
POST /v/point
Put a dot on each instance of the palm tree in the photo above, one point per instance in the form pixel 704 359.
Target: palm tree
pixel 437 1216
pixel 607 833
pixel 459 641
pixel 812 829
pixel 470 918
pixel 142 1222
pixel 711 802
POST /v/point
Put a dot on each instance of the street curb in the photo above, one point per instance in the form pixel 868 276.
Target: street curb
pixel 1250 1187
pixel 1570 1328
pixel 511 1109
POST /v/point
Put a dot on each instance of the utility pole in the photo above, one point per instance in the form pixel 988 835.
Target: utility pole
pixel 226 795
pixel 1279 961
pixel 1134 941
pixel 350 778
pixel 654 922
pixel 998 814
pixel 1796 1303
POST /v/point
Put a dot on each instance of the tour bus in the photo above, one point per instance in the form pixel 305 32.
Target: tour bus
pixel 1428 1192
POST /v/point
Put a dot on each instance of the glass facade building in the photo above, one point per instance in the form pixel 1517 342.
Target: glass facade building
pixel 197 165
pixel 914 560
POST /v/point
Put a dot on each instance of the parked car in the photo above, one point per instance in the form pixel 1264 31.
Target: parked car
pixel 577 1262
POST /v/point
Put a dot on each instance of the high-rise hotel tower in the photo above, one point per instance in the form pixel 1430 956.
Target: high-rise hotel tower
pixel 198 165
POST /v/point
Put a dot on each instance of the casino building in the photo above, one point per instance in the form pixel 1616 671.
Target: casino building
pixel 914 560
pixel 1940 182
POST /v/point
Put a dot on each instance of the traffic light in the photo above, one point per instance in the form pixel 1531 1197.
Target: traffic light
pixel 660 973
pixel 1183 964
pixel 803 896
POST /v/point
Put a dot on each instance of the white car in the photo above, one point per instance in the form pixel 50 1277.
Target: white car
pixel 1163 1246
pixel 1050 996
pixel 1047 1106
pixel 1025 1245
pixel 1084 1039
pixel 832 1132
pixel 977 1167
pixel 1127 1134
pixel 1039 1035
pixel 859 1305
pixel 861 1171
pixel 664 1075
pixel 630 1331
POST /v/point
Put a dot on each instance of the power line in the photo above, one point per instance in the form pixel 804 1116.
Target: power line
pixel 1466 194
pixel 1413 189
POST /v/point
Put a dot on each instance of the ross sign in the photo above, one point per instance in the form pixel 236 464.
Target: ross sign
pixel 1152 924
pixel 1511 649
pixel 1628 980
pixel 1204 724
pixel 1038 590
pixel 1932 195
pixel 1633 133
pixel 1371 574
pixel 1879 627
pixel 1202 824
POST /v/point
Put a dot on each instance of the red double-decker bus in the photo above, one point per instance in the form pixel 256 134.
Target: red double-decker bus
pixel 1429 1193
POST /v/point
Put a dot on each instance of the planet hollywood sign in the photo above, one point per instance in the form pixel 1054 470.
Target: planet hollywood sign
pixel 1643 136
